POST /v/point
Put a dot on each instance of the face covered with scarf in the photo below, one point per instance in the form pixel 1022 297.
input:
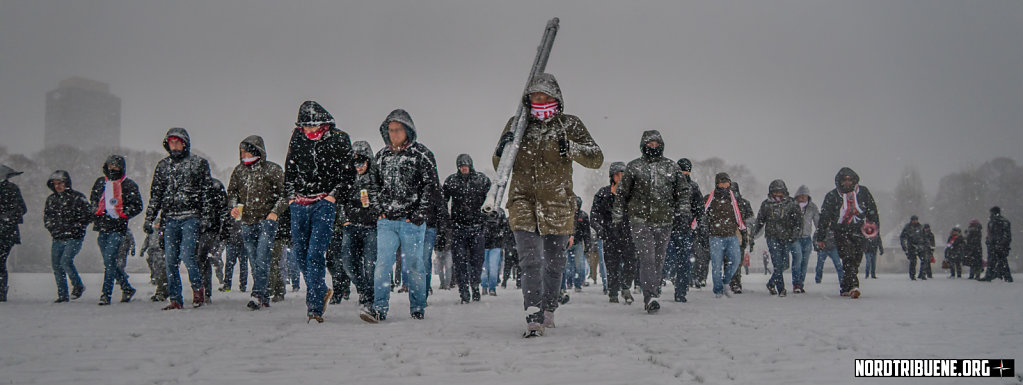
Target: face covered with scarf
pixel 542 106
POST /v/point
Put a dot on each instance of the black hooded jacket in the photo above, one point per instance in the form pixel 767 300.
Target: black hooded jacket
pixel 322 166
pixel 831 208
pixel 351 206
pixel 129 194
pixel 12 207
pixel 179 184
pixel 999 234
pixel 408 175
pixel 496 229
pixel 467 193
pixel 67 214
pixel 782 219
pixel 582 224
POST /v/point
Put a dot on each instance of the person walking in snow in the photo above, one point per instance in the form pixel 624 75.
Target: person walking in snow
pixel 466 190
pixel 407 185
pixel 575 263
pixel 680 248
pixel 116 200
pixel 745 240
pixel 975 249
pixel 999 240
pixel 12 213
pixel 614 238
pixel 955 251
pixel 152 250
pixel 66 216
pixel 540 199
pixel 255 196
pixel 495 232
pixel 358 219
pixel 849 212
pixel 724 220
pixel 782 218
pixel 801 253
pixel 927 255
pixel 913 244
pixel 655 190
pixel 317 171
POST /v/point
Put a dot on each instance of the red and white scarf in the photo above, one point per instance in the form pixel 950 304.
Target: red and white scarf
pixel 112 205
pixel 851 211
pixel 543 111
pixel 250 161
pixel 315 135
pixel 735 210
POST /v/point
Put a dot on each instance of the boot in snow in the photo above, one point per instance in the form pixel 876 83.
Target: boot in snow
pixel 126 295
pixel 652 307
pixel 76 292
pixel 198 298
pixel 628 297
pixel 174 305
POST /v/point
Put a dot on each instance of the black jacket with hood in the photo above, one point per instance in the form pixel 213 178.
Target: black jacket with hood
pixel 180 183
pixel 322 166
pixel 582 224
pixel 466 193
pixel 782 218
pixel 603 206
pixel 351 205
pixel 129 194
pixel 67 214
pixel 831 208
pixel 999 234
pixel 407 175
pixel 12 207
pixel 653 187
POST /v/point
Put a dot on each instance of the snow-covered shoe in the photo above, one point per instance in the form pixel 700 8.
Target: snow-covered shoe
pixel 242 289
pixel 418 315
pixel 198 298
pixel 253 305
pixel 314 317
pixel 771 289
pixel 613 299
pixel 533 330
pixel 782 293
pixel 652 307
pixel 104 300
pixel 126 295
pixel 798 289
pixel 628 297
pixel 564 299
pixel 854 293
pixel 548 320
pixel 370 315
pixel 174 305
pixel 76 292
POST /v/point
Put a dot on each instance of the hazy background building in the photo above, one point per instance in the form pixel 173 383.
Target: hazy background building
pixel 82 113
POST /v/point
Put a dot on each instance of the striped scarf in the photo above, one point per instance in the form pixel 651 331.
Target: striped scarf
pixel 543 111
pixel 112 205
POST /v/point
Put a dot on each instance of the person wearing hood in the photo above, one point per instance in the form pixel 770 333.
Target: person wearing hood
pixel 407 184
pixel 66 216
pixel 12 213
pixel 745 240
pixel 724 221
pixel 782 220
pixel 216 213
pixel 466 190
pixel 955 250
pixel 914 244
pixel 575 265
pixel 116 200
pixel 655 191
pixel 255 194
pixel 614 240
pixel 872 247
pixel 975 249
pixel 850 213
pixel 177 196
pixel 928 251
pixel 355 231
pixel 495 232
pixel 680 249
pixel 999 242
pixel 541 203
pixel 152 250
pixel 317 172
pixel 804 245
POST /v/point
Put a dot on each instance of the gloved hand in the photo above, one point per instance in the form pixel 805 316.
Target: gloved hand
pixel 563 146
pixel 506 138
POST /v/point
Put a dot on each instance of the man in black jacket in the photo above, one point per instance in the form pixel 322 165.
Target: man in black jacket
pixel 615 238
pixel 781 217
pixel 913 244
pixel 12 212
pixel 680 248
pixel 66 216
pixel 846 210
pixel 178 197
pixel 317 172
pixel 999 240
pixel 355 245
pixel 575 265
pixel 117 200
pixel 407 184
pixel 467 190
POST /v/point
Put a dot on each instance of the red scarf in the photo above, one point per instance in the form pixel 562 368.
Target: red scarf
pixel 251 161
pixel 735 209
pixel 315 135
pixel 543 111
pixel 308 200
pixel 114 187
pixel 850 207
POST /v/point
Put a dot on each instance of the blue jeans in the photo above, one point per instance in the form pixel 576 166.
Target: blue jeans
pixel 575 267
pixel 109 243
pixel 680 250
pixel 780 250
pixel 180 237
pixel 603 270
pixel 871 265
pixel 294 271
pixel 392 234
pixel 236 253
pixel 429 240
pixel 825 254
pixel 800 258
pixel 312 226
pixel 491 269
pixel 62 256
pixel 259 242
pixel 719 247
pixel 359 257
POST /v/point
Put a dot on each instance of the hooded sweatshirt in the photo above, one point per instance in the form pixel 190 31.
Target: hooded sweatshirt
pixel 315 167
pixel 259 186
pixel 179 183
pixel 12 207
pixel 811 214
pixel 467 193
pixel 408 175
pixel 351 207
pixel 67 214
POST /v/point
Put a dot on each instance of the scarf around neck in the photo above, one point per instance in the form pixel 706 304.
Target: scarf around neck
pixel 112 205
pixel 543 111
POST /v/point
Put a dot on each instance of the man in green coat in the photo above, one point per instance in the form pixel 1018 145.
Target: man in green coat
pixel 541 203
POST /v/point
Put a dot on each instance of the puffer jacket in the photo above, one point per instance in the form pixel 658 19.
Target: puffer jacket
pixel 130 195
pixel 67 214
pixel 782 219
pixel 540 197
pixel 654 188
pixel 179 183
pixel 351 207
pixel 407 174
pixel 259 186
pixel 467 194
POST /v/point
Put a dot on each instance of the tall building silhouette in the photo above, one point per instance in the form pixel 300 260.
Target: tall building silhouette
pixel 82 113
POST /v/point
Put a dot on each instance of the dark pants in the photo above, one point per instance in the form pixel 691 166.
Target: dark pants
pixel 511 264
pixel 340 281
pixel 998 264
pixel 359 257
pixel 542 259
pixel 236 253
pixel 701 260
pixel 466 254
pixel 619 262
pixel 850 251
pixel 5 251
pixel 680 250
pixel 276 286
pixel 956 268
pixel 208 243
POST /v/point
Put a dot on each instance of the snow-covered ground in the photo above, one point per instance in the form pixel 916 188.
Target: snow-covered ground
pixel 750 338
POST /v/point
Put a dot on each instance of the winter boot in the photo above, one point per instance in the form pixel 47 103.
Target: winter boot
pixel 76 292
pixel 627 296
pixel 652 307
pixel 548 320
pixel 198 297
pixel 370 315
pixel 771 289
pixel 61 300
pixel 613 298
pixel 174 305
pixel 782 293
pixel 104 300
pixel 534 325
pixel 126 295
pixel 253 305
pixel 418 315
pixel 475 294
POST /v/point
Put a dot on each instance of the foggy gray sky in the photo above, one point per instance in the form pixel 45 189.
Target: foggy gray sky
pixel 792 89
